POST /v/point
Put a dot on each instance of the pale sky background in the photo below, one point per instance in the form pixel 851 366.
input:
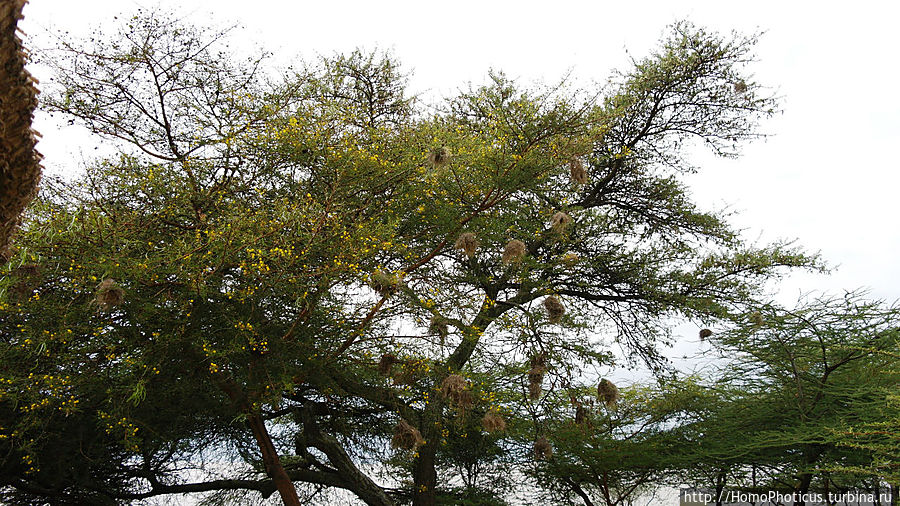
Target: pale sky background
pixel 827 177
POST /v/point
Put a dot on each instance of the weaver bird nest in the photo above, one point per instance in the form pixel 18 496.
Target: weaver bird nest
pixel 559 222
pixel 406 437
pixel 582 416
pixel 468 243
pixel 513 252
pixel 756 318
pixel 536 375
pixel 608 392
pixel 383 283
pixel 493 422
pixel 577 172
pixel 109 295
pixel 454 389
pixel 570 259
pixel 439 326
pixel 439 157
pixel 542 449
pixel 386 364
pixel 555 309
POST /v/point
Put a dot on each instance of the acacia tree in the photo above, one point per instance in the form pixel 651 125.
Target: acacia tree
pixel 810 390
pixel 319 254
pixel 795 383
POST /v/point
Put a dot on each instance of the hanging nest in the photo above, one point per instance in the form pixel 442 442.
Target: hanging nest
pixel 493 422
pixel 27 278
pixel 439 157
pixel 453 389
pixel 452 386
pixel 386 364
pixel 383 283
pixel 555 309
pixel 577 172
pixel 109 295
pixel 570 259
pixel 20 167
pixel 608 392
pixel 406 437
pixel 465 401
pixel 559 222
pixel 542 449
pixel 539 361
pixel 740 87
pixel 513 252
pixel 468 243
pixel 705 333
pixel 536 375
pixel 756 318
pixel 439 326
pixel 534 386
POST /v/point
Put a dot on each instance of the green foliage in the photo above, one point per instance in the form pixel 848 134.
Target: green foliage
pixel 797 383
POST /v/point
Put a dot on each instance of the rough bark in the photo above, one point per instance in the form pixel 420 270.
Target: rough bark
pixel 20 168
pixel 425 474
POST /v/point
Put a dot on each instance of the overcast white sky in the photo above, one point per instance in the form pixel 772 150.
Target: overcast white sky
pixel 828 177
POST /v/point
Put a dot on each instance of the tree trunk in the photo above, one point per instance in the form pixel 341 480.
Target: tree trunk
pixel 20 168
pixel 272 462
pixel 810 456
pixel 274 469
pixel 802 488
pixel 356 481
pixel 425 477
pixel 720 486
pixel 424 474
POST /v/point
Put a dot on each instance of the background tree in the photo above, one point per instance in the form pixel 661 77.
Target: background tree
pixel 318 254
pixel 793 383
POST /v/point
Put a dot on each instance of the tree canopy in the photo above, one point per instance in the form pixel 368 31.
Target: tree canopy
pixel 309 280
